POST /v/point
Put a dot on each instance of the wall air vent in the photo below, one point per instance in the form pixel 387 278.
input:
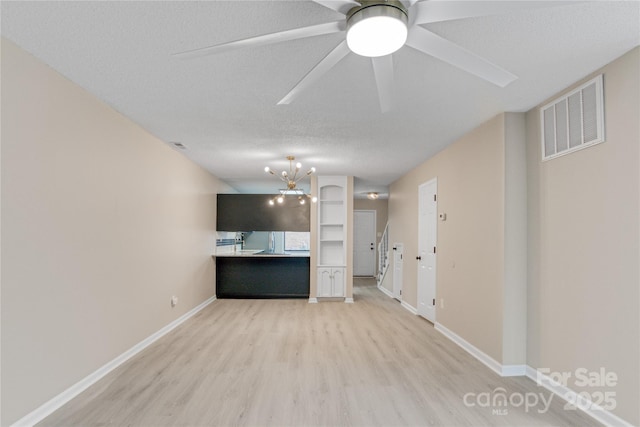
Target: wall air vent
pixel 573 121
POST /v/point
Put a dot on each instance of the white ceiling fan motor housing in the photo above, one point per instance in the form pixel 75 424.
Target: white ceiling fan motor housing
pixel 377 28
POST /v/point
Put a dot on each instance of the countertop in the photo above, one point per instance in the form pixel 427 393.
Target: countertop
pixel 253 253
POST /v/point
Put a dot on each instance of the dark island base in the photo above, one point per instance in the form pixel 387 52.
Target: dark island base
pixel 262 277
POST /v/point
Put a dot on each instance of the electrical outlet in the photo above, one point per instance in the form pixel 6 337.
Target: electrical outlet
pixel 174 301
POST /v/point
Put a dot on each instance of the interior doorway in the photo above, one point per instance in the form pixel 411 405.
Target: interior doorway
pixel 364 243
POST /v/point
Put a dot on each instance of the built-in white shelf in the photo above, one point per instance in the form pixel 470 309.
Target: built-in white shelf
pixel 332 217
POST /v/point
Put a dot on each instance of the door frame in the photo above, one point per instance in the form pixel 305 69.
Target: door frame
pixel 398 273
pixel 375 238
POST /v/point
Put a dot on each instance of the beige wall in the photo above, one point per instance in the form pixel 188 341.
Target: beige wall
pixel 541 268
pixel 583 286
pixel 470 262
pixel 514 349
pixel 101 224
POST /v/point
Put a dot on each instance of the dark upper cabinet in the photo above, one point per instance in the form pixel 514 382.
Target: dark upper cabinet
pixel 252 212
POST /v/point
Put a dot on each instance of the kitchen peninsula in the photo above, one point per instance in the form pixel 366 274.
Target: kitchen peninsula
pixel 259 274
pixel 272 260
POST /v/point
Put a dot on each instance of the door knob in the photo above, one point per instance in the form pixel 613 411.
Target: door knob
pixel 418 258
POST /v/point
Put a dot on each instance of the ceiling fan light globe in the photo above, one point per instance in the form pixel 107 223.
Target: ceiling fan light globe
pixel 377 31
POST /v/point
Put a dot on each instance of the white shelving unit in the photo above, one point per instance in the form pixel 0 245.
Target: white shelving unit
pixel 332 232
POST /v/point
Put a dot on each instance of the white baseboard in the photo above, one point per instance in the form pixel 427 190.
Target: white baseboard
pixel 513 370
pixel 348 300
pixel 385 291
pixel 490 362
pixel 313 300
pixel 409 307
pixel 605 417
pixel 586 405
pixel 61 399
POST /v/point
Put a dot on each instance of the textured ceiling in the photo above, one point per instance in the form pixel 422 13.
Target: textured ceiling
pixel 223 107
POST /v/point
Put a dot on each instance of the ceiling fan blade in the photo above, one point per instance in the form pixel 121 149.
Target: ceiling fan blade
pixel 281 36
pixel 409 3
pixel 342 6
pixel 436 11
pixel 327 63
pixel 383 72
pixel 434 45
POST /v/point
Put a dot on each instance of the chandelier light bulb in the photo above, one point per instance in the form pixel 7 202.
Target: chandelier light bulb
pixel 377 30
pixel 314 199
pixel 280 199
pixel 298 165
pixel 267 169
pixel 271 202
pixel 301 201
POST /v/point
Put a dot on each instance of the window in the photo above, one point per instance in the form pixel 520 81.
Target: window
pixel 296 241
pixel 573 121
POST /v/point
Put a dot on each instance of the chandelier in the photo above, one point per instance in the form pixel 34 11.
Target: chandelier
pixel 291 179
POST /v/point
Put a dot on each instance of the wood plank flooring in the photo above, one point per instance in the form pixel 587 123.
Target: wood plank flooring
pixel 290 363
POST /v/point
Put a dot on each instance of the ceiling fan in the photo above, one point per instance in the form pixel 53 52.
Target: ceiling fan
pixel 377 28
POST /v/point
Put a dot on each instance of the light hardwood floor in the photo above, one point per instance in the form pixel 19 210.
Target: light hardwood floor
pixel 290 363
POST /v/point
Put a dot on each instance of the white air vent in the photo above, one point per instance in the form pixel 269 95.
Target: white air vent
pixel 573 121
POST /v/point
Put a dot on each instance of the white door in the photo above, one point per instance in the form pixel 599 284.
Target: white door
pixel 427 249
pixel 398 260
pixel 364 243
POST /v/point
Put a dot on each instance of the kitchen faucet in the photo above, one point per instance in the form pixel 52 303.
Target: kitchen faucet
pixel 272 241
